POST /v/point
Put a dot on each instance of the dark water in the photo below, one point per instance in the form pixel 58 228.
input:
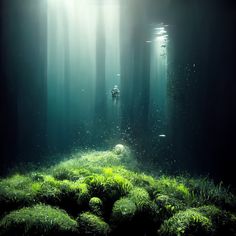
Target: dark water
pixel 173 61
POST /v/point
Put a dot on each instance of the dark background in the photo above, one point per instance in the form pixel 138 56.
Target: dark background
pixel 202 127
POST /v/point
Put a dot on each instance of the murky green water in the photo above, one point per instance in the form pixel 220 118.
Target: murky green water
pixel 156 78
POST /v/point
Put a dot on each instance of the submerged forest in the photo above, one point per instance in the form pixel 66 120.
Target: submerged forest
pixel 117 117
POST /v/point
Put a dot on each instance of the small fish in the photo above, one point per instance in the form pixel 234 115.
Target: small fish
pixel 162 135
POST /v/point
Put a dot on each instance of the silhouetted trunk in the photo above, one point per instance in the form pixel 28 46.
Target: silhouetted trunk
pixel 8 88
pixel 135 72
pixel 100 88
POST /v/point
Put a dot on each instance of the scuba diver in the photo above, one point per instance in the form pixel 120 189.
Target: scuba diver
pixel 115 93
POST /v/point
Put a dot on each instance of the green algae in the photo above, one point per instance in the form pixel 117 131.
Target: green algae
pixel 123 210
pixel 186 222
pixel 107 194
pixel 96 206
pixel 91 224
pixel 38 220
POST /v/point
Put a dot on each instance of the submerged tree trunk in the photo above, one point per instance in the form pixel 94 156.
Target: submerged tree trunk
pixel 8 88
pixel 135 73
pixel 100 88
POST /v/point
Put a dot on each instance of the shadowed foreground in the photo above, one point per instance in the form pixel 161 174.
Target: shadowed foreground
pixel 106 193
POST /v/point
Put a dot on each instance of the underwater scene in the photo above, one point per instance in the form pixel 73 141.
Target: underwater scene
pixel 117 117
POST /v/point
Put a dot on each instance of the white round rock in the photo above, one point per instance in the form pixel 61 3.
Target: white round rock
pixel 119 149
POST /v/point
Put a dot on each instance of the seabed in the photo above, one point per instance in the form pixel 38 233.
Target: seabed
pixel 107 193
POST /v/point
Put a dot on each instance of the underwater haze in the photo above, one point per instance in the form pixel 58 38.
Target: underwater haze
pixel 173 62
pixel 116 111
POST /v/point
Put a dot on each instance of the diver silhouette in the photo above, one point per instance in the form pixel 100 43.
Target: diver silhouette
pixel 115 93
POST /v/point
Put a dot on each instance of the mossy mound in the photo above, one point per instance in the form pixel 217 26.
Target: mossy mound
pixel 205 220
pixel 172 187
pixel 123 210
pixel 109 188
pixel 91 224
pixel 109 195
pixel 140 197
pixel 168 205
pixel 96 206
pixel 224 223
pixel 17 191
pixel 188 222
pixel 38 220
